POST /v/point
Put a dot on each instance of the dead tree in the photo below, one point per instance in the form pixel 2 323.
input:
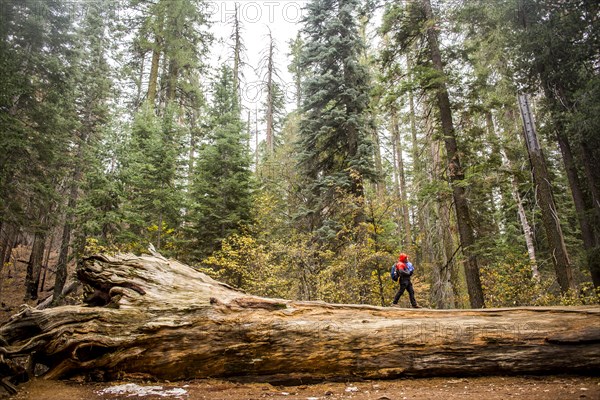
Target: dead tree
pixel 149 317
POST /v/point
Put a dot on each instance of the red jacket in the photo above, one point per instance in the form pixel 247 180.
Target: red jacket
pixel 403 270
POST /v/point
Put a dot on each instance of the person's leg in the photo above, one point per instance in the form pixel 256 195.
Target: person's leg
pixel 411 294
pixel 399 293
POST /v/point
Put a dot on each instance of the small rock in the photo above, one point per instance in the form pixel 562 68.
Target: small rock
pixel 384 398
pixel 329 393
pixel 351 389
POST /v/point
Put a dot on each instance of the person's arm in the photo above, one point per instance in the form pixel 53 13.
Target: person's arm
pixel 403 272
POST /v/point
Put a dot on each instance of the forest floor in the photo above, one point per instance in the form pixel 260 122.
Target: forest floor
pixel 488 388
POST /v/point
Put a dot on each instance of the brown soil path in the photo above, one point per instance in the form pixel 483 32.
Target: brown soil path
pixel 488 388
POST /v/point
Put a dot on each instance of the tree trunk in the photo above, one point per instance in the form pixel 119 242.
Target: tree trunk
pixel 172 80
pixel 157 49
pixel 545 198
pixel 527 231
pixel 380 186
pixel 455 172
pixel 34 267
pixel 448 285
pixel 401 184
pixel 525 226
pixel 418 166
pixel 587 232
pixel 46 261
pixel 153 80
pixel 8 239
pixel 593 177
pixel 5 239
pixel 63 255
pixel 590 164
pixel 153 318
pixel 63 259
pixel 438 239
pixel 270 97
pixel 237 55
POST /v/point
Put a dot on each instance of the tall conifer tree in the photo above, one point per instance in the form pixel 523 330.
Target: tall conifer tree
pixel 222 189
pixel 336 151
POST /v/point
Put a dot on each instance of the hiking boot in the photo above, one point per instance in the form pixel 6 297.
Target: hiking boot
pixel 416 306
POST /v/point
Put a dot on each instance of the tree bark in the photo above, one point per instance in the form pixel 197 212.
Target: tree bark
pixel 46 261
pixel 76 176
pixel 155 318
pixel 157 49
pixel 525 225
pixel 8 239
pixel 590 162
pixel 270 96
pixel 237 55
pixel 418 166
pixel 545 198
pixel 455 171
pixel 587 232
pixel 439 240
pixel 527 231
pixel 34 266
pixel 153 80
pixel 401 183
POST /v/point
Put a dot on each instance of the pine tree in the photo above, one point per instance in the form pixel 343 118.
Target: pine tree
pixel 239 49
pixel 270 74
pixel 295 68
pixel 156 165
pixel 569 36
pixel 551 49
pixel 222 184
pixel 37 120
pixel 151 176
pixel 336 151
pixel 93 89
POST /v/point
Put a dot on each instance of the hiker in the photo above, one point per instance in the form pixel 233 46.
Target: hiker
pixel 405 269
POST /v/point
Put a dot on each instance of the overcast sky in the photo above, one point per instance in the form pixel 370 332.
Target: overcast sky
pixel 281 16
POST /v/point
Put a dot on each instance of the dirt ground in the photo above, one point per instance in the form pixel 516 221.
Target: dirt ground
pixel 12 282
pixel 488 388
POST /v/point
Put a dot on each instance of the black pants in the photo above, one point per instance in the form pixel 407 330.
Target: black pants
pixel 406 285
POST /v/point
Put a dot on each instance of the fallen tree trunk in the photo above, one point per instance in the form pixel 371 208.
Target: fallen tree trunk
pixel 159 318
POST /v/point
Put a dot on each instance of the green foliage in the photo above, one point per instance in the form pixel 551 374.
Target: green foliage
pixel 175 171
pixel 221 191
pixel 37 116
pixel 336 152
pixel 586 295
pixel 244 263
pixel 151 178
pixel 509 283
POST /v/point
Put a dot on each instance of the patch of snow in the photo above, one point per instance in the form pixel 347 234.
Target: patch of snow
pixel 132 389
